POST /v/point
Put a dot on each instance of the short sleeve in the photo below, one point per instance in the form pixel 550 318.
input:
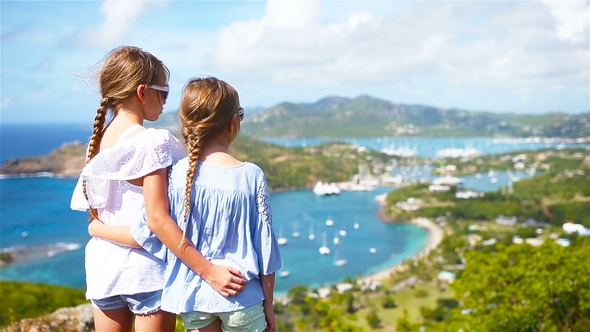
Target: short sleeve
pixel 147 152
pixel 78 201
pixel 265 242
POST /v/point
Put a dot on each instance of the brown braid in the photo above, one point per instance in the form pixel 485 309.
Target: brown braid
pixel 122 71
pixel 207 107
pixel 94 145
pixel 193 143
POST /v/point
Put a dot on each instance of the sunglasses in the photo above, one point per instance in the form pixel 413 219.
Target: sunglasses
pixel 241 113
pixel 163 90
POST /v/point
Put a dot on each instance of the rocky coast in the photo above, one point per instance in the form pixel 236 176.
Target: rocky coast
pixel 67 160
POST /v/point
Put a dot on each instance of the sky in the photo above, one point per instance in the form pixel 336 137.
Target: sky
pixel 526 57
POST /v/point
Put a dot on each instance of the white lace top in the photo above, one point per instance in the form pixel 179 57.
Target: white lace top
pixel 112 269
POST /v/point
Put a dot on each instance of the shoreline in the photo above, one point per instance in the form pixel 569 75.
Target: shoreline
pixel 435 236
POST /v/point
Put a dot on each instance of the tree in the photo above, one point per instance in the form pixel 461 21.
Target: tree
pixel 373 319
pixel 524 288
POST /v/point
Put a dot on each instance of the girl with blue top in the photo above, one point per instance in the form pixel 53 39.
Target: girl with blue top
pixel 222 204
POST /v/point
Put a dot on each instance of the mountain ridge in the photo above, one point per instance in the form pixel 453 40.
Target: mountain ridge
pixel 367 116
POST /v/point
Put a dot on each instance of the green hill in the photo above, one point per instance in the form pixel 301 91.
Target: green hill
pixel 366 116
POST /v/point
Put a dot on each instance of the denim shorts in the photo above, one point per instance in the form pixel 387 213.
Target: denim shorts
pixel 248 319
pixel 139 304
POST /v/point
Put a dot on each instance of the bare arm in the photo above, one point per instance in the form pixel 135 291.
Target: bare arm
pixel 117 234
pixel 268 286
pixel 226 280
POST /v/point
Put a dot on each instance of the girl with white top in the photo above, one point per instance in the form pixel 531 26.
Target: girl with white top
pixel 124 163
pixel 223 206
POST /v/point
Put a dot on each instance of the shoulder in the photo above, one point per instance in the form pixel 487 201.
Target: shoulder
pixel 253 170
pixel 159 136
pixel 257 173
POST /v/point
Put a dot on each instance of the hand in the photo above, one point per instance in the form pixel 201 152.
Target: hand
pixel 92 227
pixel 226 280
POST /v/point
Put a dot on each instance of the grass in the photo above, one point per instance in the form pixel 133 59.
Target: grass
pixel 404 299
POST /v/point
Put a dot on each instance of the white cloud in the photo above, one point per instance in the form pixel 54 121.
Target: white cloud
pixel 119 19
pixel 572 19
pixel 494 44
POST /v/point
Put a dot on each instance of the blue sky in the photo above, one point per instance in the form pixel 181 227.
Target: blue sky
pixel 499 56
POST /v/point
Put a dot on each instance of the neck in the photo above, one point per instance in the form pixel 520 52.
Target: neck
pixel 126 116
pixel 211 147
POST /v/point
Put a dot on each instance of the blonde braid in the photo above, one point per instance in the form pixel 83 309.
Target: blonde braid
pixel 193 142
pixel 94 146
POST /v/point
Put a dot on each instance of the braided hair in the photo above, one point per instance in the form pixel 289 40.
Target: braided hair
pixel 123 70
pixel 207 107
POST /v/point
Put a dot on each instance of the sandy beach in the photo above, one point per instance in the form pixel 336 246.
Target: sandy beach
pixel 435 236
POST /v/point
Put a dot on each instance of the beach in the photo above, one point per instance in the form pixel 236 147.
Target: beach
pixel 435 236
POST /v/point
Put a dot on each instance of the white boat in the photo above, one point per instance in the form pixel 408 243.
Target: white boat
pixel 340 262
pixel 322 189
pixel 342 232
pixel 404 152
pixel 337 260
pixel 324 250
pixel 457 153
pixel 311 236
pixel 282 240
pixel 373 250
pixel 330 222
pixel 336 239
pixel 447 180
pixel 284 272
pixel 295 231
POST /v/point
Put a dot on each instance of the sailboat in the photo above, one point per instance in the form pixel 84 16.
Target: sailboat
pixel 295 230
pixel 324 250
pixel 342 232
pixel 311 236
pixel 336 239
pixel 356 224
pixel 337 261
pixel 282 240
pixel 329 222
pixel 284 272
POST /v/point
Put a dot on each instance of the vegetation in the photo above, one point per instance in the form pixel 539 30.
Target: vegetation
pixel 559 195
pixel 500 284
pixel 366 116
pixel 523 288
pixel 294 168
pixel 27 300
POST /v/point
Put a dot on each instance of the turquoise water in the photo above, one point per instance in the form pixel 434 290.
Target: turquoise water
pixel 35 215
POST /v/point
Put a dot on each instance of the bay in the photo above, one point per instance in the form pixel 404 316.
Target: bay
pixel 35 214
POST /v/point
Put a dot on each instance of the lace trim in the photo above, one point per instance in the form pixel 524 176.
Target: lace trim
pixel 263 203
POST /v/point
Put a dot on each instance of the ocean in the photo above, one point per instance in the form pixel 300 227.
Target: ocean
pixel 35 213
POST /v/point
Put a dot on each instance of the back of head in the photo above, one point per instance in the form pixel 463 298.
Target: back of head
pixel 123 70
pixel 207 107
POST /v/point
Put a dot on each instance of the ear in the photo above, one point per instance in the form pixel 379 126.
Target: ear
pixel 140 92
